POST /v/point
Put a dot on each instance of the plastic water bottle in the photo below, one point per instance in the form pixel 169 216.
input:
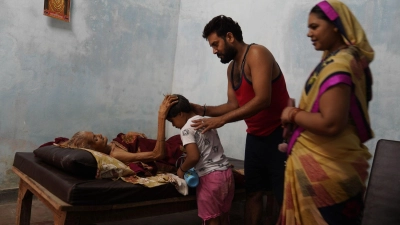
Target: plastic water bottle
pixel 191 178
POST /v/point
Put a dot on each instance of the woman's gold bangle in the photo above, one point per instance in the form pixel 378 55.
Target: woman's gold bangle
pixel 293 114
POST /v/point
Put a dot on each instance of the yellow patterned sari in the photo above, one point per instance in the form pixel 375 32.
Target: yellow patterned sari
pixel 325 176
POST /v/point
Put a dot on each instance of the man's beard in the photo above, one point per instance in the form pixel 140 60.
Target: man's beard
pixel 229 54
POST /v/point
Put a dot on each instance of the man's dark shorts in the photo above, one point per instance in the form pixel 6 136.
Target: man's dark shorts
pixel 264 164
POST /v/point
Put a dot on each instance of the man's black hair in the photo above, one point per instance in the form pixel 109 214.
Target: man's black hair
pixel 222 25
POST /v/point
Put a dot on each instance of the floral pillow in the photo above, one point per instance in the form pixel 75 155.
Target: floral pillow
pixel 83 162
pixel 109 167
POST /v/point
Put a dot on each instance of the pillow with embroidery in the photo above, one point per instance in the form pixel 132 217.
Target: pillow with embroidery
pixel 83 162
pixel 109 167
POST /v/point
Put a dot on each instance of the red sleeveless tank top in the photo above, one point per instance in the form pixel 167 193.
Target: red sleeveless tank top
pixel 268 119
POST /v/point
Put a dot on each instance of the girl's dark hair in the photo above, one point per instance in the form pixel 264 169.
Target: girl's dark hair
pixel 182 105
pixel 320 14
pixel 222 25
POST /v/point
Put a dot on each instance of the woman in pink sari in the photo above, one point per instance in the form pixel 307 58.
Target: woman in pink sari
pixel 327 165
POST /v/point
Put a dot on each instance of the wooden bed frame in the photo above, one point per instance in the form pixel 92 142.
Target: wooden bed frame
pixel 66 214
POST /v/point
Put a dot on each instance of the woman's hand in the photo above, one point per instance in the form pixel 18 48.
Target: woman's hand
pixel 287 124
pixel 166 104
pixel 285 116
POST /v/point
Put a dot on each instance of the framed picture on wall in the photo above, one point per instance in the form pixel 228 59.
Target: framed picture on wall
pixel 58 9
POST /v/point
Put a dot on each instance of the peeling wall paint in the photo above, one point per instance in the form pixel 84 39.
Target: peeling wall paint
pixel 281 26
pixel 104 71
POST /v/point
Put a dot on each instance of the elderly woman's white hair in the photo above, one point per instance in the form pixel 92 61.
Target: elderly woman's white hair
pixel 77 141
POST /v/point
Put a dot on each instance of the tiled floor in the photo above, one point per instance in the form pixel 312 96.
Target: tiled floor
pixel 41 215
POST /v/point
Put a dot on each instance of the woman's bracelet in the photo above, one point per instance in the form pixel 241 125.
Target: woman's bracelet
pixel 293 114
pixel 180 167
pixel 204 110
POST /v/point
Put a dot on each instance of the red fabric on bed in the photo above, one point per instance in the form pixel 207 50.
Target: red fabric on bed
pixel 173 147
pixel 173 152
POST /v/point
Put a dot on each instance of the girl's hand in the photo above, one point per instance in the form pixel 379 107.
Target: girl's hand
pixel 180 173
pixel 166 104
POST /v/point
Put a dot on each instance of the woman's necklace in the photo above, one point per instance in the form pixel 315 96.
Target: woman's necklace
pixel 336 51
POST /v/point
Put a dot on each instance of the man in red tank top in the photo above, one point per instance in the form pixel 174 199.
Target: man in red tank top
pixel 257 94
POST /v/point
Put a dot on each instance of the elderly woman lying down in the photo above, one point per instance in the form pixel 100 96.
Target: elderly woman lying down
pixel 133 147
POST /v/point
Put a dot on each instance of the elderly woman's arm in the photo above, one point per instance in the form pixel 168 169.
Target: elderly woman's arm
pixel 159 149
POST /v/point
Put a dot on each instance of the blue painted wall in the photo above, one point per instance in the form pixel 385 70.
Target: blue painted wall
pixel 106 71
pixel 282 27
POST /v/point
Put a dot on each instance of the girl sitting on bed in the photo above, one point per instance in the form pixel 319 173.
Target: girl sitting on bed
pixel 135 147
pixel 205 153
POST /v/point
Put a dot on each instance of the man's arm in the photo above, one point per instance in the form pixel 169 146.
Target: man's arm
pixel 259 65
pixel 230 105
pixel 214 111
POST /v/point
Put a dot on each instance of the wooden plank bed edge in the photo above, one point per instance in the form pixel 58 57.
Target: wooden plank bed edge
pixel 65 214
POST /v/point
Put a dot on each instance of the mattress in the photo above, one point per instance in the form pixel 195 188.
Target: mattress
pixel 84 191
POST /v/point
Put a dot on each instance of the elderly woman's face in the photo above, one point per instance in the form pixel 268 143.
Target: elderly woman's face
pixel 96 141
